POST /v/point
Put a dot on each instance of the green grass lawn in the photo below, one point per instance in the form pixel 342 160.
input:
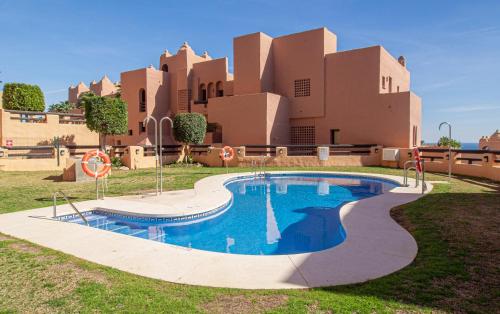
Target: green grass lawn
pixel 456 269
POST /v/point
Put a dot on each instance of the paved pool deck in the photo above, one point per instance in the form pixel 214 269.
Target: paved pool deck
pixel 375 245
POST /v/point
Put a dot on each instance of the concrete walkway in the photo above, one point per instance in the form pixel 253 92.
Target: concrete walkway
pixel 375 245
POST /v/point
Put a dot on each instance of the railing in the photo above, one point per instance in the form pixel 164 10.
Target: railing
pixel 30 152
pixel 30 118
pixel 72 119
pixel 200 149
pixel 118 150
pixel 309 150
pixel 260 150
pixel 149 150
pixel 350 149
pixel 171 149
pixel 80 150
pixel 468 156
pixel 302 150
pixel 54 208
pixel 41 117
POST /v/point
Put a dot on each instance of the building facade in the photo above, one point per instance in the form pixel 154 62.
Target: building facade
pixel 491 142
pixel 294 89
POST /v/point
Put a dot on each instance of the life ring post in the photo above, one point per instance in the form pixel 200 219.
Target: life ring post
pixel 96 154
pixel 226 154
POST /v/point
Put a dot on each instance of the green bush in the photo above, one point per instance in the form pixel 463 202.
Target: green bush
pixel 105 115
pixel 445 141
pixel 116 162
pixel 190 128
pixel 19 96
pixel 63 106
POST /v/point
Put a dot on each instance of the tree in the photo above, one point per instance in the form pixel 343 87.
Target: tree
pixel 63 106
pixel 19 96
pixel 189 128
pixel 445 141
pixel 105 115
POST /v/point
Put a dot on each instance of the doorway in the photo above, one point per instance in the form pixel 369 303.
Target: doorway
pixel 334 136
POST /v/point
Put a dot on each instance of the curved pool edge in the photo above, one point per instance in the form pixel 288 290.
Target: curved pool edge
pixel 210 196
pixel 375 246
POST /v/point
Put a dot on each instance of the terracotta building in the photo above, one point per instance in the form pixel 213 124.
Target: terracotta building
pixel 491 142
pixel 102 88
pixel 293 89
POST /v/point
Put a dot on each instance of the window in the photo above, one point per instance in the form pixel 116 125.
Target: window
pixel 202 93
pixel 397 89
pixel 211 91
pixel 216 132
pixel 118 142
pixel 302 135
pixel 142 127
pixel 130 132
pixel 142 100
pixel 390 84
pixel 164 68
pixel 334 136
pixel 302 88
pixel 383 82
pixel 219 90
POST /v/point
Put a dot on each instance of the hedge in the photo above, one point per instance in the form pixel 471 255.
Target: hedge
pixel 20 96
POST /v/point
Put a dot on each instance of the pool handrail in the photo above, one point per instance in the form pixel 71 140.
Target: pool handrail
pixel 54 198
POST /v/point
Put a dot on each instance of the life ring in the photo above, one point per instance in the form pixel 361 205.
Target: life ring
pixel 92 154
pixel 227 153
pixel 418 160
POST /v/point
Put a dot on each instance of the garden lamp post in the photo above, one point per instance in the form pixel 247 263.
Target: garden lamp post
pixel 161 149
pixel 449 147
pixel 146 120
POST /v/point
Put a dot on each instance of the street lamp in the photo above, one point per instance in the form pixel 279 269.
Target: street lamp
pixel 449 147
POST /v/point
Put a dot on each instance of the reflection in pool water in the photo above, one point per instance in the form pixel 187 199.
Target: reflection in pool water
pixel 278 214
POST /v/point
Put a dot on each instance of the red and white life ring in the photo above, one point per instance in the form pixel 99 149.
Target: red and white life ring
pixel 226 153
pixel 418 160
pixel 92 154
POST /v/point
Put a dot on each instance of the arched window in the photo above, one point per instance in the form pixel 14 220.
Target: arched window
pixel 164 68
pixel 219 90
pixel 142 100
pixel 202 93
pixel 211 91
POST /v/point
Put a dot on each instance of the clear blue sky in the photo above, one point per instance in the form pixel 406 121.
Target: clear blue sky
pixel 452 47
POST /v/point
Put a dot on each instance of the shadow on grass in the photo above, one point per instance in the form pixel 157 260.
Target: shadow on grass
pixel 59 198
pixel 58 178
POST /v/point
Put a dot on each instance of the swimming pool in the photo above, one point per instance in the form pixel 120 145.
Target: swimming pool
pixel 272 215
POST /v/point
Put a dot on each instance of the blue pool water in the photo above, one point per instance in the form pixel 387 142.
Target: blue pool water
pixel 278 214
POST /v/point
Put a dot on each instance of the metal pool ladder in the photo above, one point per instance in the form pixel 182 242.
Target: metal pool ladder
pixel 413 166
pixel 54 199
pixel 259 167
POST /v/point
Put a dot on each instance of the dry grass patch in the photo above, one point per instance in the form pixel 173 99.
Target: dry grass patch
pixel 241 304
pixel 314 308
pixel 34 281
pixel 3 237
pixel 25 247
pixel 475 228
